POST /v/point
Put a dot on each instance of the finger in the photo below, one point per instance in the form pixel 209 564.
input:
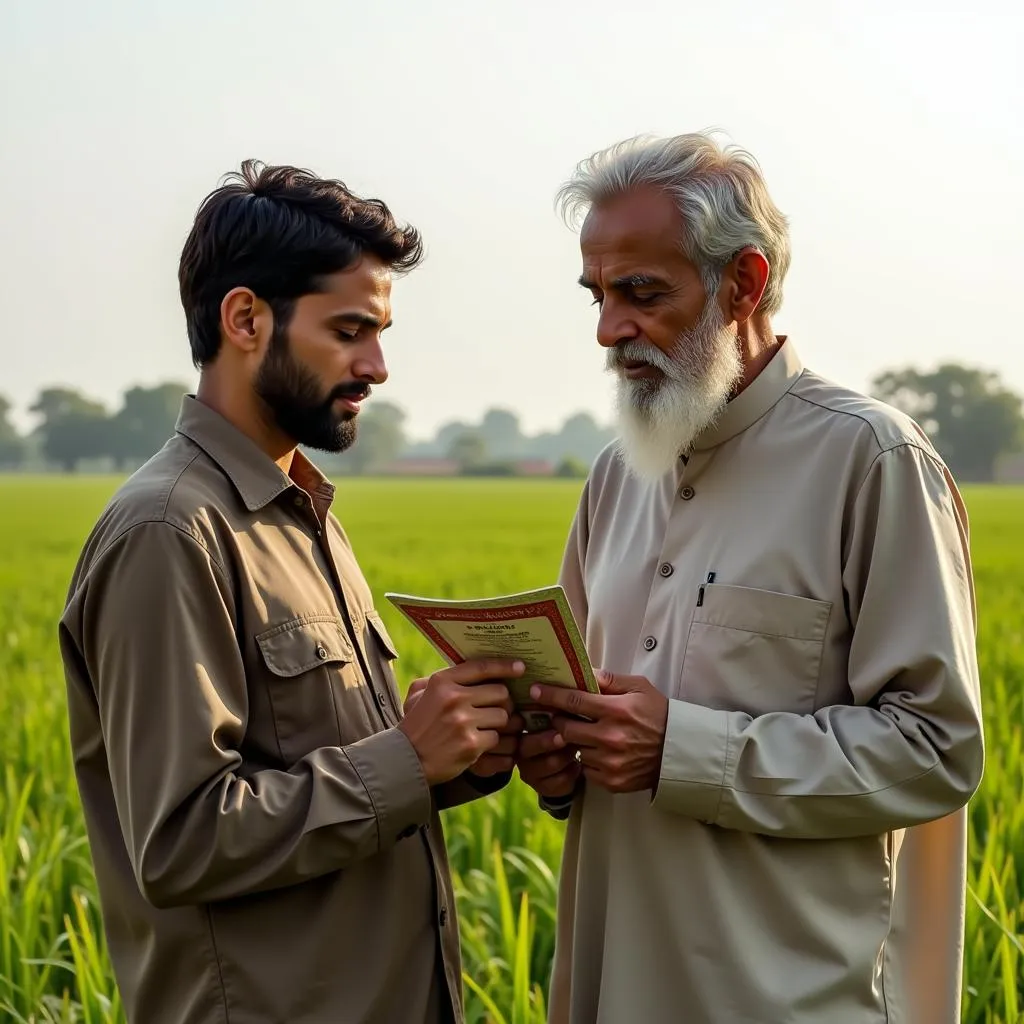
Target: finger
pixel 571 701
pixel 556 764
pixel 561 784
pixel 488 740
pixel 535 744
pixel 479 669
pixel 416 686
pixel 592 759
pixel 516 725
pixel 539 768
pixel 489 695
pixel 507 745
pixel 611 683
pixel 577 733
pixel 491 718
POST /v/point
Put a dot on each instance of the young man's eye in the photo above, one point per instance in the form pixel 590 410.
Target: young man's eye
pixel 347 335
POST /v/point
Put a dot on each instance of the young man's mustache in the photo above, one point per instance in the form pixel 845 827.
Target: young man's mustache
pixel 355 389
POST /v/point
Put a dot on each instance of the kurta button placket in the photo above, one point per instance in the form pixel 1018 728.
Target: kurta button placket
pixel 687 492
pixel 650 643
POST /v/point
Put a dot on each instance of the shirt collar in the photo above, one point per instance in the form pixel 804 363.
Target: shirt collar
pixel 255 475
pixel 757 398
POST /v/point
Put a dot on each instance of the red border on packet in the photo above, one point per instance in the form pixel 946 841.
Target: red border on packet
pixel 542 609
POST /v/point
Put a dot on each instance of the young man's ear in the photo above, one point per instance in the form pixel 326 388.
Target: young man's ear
pixel 245 320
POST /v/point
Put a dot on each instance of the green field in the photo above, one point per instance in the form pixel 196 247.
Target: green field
pixel 447 538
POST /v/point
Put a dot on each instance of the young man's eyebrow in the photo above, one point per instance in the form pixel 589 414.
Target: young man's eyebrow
pixel 358 318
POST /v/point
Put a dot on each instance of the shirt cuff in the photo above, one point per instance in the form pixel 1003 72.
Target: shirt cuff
pixel 695 761
pixel 390 770
pixel 467 787
pixel 560 807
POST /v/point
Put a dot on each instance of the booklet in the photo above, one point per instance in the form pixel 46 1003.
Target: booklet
pixel 536 626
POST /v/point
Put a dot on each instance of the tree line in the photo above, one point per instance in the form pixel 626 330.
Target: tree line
pixel 969 414
pixel 75 431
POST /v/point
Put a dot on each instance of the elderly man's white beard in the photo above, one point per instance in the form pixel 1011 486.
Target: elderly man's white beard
pixel 659 419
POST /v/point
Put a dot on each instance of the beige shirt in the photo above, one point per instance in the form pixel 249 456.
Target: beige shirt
pixel 803 857
pixel 266 846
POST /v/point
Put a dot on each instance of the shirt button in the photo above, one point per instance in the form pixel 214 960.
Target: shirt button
pixel 650 643
pixel 687 493
pixel 380 698
pixel 321 652
pixel 299 501
pixel 666 569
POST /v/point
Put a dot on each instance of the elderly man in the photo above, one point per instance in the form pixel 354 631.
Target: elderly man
pixel 766 804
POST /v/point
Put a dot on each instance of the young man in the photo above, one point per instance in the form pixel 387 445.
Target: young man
pixel 262 816
pixel 767 815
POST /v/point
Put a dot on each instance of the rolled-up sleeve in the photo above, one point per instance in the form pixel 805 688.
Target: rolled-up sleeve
pixel 158 637
pixel 909 748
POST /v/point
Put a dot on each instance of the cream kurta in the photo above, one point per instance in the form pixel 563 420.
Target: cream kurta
pixel 824 709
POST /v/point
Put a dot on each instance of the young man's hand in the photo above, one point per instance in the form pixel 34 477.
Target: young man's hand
pixel 456 720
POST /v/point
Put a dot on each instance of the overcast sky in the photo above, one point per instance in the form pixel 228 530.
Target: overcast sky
pixel 891 134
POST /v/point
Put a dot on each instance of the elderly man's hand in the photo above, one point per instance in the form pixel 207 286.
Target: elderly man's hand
pixel 547 764
pixel 621 744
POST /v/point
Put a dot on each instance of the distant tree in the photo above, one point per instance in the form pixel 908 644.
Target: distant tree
pixel 144 422
pixel 447 435
pixel 968 414
pixel 582 437
pixel 545 445
pixel 501 433
pixel 380 439
pixel 73 427
pixel 12 445
pixel 468 449
pixel 55 402
pixel 571 467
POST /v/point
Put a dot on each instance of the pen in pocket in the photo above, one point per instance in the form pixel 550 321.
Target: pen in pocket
pixel 700 589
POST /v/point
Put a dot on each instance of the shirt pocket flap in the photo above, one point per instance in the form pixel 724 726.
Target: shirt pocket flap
pixel 376 623
pixel 764 611
pixel 301 644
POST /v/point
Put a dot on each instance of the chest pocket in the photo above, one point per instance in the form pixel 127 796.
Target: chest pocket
pixel 307 659
pixel 754 650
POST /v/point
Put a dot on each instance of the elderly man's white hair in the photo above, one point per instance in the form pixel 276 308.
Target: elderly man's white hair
pixel 719 191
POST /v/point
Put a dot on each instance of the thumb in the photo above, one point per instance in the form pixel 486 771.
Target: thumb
pixel 611 683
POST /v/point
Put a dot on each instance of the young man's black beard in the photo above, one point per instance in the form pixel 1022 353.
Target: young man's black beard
pixel 297 405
